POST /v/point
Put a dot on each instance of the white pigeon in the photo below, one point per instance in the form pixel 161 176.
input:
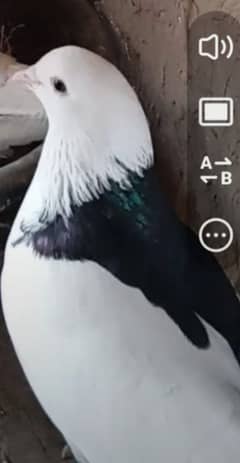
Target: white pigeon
pixel 111 369
pixel 23 119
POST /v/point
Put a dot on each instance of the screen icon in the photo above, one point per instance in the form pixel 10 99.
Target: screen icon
pixel 213 174
pixel 216 112
pixel 213 47
pixel 216 235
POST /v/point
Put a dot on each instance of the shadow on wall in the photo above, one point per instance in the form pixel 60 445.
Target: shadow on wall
pixel 37 27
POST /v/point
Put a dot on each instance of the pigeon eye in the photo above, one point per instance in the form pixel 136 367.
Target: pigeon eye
pixel 59 85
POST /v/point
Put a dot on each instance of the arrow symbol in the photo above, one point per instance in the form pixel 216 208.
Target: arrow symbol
pixel 207 178
pixel 226 162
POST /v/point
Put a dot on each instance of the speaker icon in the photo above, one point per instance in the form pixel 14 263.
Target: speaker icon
pixel 213 47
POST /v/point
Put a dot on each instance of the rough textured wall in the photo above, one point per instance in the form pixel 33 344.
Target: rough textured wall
pixel 155 34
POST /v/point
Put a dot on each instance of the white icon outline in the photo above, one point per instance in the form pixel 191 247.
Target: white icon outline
pixel 216 123
pixel 230 230
pixel 225 162
pixel 221 47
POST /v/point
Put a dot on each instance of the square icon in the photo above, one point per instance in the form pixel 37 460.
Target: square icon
pixel 216 112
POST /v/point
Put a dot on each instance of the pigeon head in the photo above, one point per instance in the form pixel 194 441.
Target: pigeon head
pixel 97 127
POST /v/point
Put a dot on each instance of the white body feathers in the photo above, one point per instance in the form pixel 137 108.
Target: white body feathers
pixel 114 374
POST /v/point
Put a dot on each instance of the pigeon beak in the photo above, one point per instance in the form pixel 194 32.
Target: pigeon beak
pixel 27 77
